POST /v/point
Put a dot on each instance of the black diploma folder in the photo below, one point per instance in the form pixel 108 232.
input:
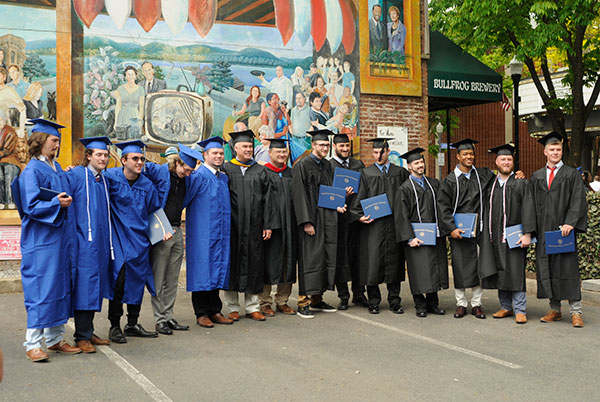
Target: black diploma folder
pixel 47 194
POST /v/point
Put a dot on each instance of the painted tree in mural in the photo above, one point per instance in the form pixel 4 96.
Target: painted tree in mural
pixel 34 67
pixel 535 31
pixel 220 77
pixel 102 76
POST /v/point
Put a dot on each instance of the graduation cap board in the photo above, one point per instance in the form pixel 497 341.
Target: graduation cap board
pixel 242 136
pixel 506 149
pixel 413 155
pixel 380 142
pixel 101 143
pixel 320 135
pixel 552 138
pixel 212 142
pixel 466 143
pixel 46 126
pixel 278 143
pixel 189 156
pixel 128 147
pixel 341 139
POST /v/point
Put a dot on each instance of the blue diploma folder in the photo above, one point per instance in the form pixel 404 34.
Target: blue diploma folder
pixel 376 207
pixel 466 222
pixel 47 194
pixel 513 234
pixel 158 226
pixel 344 178
pixel 557 244
pixel 331 197
pixel 426 232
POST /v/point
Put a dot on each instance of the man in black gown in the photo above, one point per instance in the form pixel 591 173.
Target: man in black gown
pixel 381 256
pixel 317 237
pixel 348 233
pixel 463 191
pixel 510 203
pixel 252 222
pixel 560 204
pixel 427 265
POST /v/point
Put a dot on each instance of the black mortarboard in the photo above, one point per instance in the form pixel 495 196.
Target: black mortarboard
pixel 341 139
pixel 413 155
pixel 242 136
pixel 461 145
pixel 278 143
pixel 320 135
pixel 380 142
pixel 552 138
pixel 506 149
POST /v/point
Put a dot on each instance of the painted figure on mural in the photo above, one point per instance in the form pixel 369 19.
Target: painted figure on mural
pixel 9 161
pixel 2 63
pixel 129 110
pixel 17 81
pixel 323 92
pixel 32 101
pixel 150 83
pixel 317 117
pixel 256 107
pixel 9 98
pixel 377 31
pixel 348 78
pixel 396 31
pixel 281 85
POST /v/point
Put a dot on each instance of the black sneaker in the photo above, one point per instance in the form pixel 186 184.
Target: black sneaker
pixel 324 307
pixel 396 309
pixel 304 312
pixel 360 301
pixel 373 309
pixel 343 305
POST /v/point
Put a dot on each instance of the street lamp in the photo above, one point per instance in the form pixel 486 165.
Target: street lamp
pixel 515 68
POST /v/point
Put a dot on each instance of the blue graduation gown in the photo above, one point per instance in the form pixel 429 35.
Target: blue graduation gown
pixel 47 247
pixel 130 208
pixel 91 272
pixel 208 228
pixel 160 176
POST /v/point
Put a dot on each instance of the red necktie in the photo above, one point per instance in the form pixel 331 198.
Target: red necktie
pixel 551 177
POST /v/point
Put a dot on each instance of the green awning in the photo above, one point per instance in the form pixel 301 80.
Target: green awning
pixel 458 79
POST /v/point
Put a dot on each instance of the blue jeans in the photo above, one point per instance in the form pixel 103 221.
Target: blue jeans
pixel 516 301
pixel 52 335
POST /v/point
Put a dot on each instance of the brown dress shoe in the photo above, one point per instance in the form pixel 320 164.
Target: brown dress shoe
pixel 285 309
pixel 234 315
pixel 478 312
pixel 460 312
pixel 256 316
pixel 502 313
pixel 552 315
pixel 520 318
pixel 64 347
pixel 220 319
pixel 96 340
pixel 577 320
pixel 37 355
pixel 267 310
pixel 86 346
pixel 204 321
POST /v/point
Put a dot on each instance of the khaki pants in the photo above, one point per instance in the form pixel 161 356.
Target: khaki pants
pixel 284 290
pixel 306 300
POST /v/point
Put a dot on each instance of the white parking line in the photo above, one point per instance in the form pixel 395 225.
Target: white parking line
pixel 147 385
pixel 434 341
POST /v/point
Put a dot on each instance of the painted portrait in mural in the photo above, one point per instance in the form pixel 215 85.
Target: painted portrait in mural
pixel 27 85
pixel 391 59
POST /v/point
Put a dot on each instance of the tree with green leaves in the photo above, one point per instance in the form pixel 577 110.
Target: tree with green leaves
pixel 535 31
pixel 220 76
pixel 34 67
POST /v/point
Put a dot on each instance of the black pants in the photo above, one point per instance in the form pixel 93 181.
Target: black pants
pixel 206 303
pixel 344 294
pixel 426 302
pixel 393 298
pixel 84 325
pixel 115 306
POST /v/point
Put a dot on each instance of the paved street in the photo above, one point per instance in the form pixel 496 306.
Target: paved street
pixel 346 356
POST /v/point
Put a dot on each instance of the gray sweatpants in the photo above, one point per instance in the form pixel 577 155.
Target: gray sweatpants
pixel 166 258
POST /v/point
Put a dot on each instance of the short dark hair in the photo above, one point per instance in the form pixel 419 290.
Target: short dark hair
pixel 313 96
pixel 147 62
pixel 130 68
pixel 376 5
pixel 270 95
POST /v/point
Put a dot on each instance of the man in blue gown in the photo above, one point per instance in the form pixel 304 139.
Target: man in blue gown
pixel 48 252
pixel 208 229
pixel 91 209
pixel 133 198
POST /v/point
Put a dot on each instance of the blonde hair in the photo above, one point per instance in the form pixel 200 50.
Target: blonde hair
pixel 267 131
pixel 32 90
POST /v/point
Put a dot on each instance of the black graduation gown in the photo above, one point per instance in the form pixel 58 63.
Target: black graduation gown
pixel 381 256
pixel 558 274
pixel 317 254
pixel 250 215
pixel 508 263
pixel 427 265
pixel 348 232
pixel 281 250
pixel 464 251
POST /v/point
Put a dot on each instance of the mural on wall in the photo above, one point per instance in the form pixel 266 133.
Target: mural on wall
pixel 185 78
pixel 390 61
pixel 27 85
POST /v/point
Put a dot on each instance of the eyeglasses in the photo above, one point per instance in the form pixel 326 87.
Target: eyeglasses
pixel 138 159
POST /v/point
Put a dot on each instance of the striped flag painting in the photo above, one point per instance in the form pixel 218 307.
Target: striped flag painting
pixel 505 103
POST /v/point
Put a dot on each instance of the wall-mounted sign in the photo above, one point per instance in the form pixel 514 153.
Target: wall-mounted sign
pixel 10 242
pixel 399 145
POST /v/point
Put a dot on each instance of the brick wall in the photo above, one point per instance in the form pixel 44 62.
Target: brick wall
pixel 391 110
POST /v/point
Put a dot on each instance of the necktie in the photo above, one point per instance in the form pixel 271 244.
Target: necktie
pixel 98 177
pixel 149 87
pixel 217 174
pixel 551 177
pixel 384 169
pixel 345 164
